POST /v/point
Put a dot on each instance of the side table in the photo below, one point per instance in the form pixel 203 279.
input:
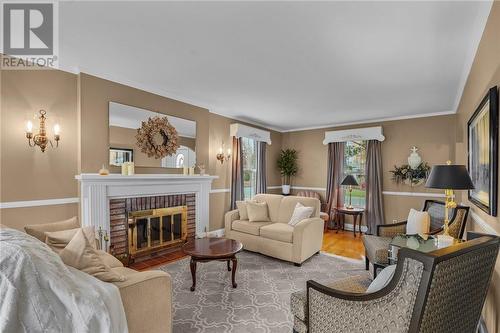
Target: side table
pixel 357 217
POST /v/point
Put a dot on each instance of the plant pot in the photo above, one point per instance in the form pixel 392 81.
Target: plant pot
pixel 285 189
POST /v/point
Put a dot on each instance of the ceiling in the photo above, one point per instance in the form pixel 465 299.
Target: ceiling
pixel 284 65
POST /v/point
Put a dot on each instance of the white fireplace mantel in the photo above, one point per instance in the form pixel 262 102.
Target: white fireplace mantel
pixel 97 190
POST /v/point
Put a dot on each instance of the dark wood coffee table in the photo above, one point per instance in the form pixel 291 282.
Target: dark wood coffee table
pixel 209 249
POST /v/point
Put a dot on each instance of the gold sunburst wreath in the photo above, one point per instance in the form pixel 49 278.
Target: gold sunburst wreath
pixel 157 137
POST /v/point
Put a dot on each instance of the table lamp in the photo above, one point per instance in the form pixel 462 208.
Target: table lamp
pixel 350 181
pixel 449 177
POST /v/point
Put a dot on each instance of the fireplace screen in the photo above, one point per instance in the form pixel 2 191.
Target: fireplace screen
pixel 156 228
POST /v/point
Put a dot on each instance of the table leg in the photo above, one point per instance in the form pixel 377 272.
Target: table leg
pixel 192 265
pixel 233 274
pixel 360 220
pixel 354 219
pixel 228 266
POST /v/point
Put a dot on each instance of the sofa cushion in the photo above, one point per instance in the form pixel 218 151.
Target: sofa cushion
pixel 376 248
pixel 242 209
pixel 252 228
pixel 273 204
pixel 81 255
pixel 109 259
pixel 257 212
pixel 38 230
pixel 278 231
pixel 354 284
pixel 288 205
pixel 57 240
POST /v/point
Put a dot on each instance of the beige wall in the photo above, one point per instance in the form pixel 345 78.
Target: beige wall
pixel 434 136
pixel 27 173
pixel 484 74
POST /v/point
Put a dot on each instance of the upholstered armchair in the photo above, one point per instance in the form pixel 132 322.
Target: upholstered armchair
pixel 376 246
pixel 442 291
pixel 324 216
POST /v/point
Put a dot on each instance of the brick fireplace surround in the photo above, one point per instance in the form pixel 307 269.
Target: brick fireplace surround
pixel 118 215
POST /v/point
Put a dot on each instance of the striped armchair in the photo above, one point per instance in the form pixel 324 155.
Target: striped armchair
pixel 442 291
pixel 376 246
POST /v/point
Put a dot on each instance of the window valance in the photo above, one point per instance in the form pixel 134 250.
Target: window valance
pixel 356 134
pixel 243 131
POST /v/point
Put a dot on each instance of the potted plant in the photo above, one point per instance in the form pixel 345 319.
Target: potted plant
pixel 287 164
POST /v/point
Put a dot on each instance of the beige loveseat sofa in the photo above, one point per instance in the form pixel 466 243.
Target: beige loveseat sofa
pixel 276 238
pixel 146 296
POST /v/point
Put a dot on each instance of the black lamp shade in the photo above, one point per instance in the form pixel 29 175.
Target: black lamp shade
pixel 449 177
pixel 349 180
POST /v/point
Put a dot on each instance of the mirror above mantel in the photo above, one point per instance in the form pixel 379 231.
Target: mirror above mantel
pixel 124 122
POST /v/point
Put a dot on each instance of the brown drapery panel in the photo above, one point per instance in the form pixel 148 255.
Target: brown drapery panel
pixel 236 173
pixel 334 197
pixel 261 167
pixel 374 200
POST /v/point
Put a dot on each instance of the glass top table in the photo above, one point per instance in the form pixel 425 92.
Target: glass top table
pixel 416 243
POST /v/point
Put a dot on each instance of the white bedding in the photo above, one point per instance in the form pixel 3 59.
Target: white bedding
pixel 38 293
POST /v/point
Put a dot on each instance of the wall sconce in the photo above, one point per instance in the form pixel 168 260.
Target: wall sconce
pixel 40 139
pixel 221 157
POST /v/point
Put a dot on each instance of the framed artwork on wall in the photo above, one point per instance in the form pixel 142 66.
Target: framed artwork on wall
pixel 482 150
pixel 117 156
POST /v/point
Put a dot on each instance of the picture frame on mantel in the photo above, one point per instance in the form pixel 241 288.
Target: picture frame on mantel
pixel 482 151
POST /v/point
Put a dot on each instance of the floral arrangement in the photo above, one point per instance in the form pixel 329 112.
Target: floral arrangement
pixel 157 137
pixel 405 174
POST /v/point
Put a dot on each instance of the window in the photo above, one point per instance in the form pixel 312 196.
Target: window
pixel 249 150
pixel 354 164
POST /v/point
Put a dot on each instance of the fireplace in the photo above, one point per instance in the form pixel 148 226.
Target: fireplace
pixel 143 227
pixel 154 229
pixel 106 202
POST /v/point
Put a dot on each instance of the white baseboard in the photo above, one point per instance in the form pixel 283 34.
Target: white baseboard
pixel 214 233
pixel 348 226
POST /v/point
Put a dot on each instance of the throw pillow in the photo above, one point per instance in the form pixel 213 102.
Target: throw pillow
pixel 418 222
pixel 80 254
pixel 257 211
pixel 300 213
pixel 242 209
pixel 57 240
pixel 38 230
pixel 383 278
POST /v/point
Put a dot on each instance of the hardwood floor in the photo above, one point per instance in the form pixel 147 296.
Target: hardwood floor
pixel 343 244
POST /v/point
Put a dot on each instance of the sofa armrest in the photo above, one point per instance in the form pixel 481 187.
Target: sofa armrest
pixel 391 230
pixel 147 300
pixel 307 238
pixel 230 216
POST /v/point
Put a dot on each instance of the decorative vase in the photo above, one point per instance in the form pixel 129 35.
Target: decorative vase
pixel 414 159
pixel 103 171
pixel 285 189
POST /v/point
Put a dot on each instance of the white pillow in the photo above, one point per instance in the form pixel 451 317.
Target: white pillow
pixel 418 222
pixel 300 213
pixel 383 278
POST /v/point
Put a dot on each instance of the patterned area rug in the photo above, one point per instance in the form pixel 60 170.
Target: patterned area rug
pixel 261 301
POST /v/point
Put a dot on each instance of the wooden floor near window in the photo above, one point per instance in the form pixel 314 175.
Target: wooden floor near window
pixel 343 244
